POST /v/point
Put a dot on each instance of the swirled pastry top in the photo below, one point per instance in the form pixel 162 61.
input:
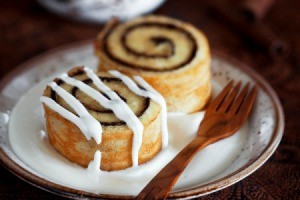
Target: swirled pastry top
pixel 152 43
pixel 112 82
pixel 105 116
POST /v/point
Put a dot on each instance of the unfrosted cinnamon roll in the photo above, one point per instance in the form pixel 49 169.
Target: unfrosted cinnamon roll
pixel 171 55
pixel 88 112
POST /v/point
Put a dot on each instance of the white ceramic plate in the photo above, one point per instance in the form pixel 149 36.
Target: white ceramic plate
pixel 265 122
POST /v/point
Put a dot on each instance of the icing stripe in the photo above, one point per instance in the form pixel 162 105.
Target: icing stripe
pixel 149 92
pixel 96 163
pixel 159 99
pixel 123 112
pixel 90 127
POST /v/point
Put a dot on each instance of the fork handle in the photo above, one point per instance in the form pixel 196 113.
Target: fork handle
pixel 160 186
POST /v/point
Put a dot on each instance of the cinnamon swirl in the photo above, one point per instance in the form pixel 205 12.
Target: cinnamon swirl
pixel 171 55
pixel 87 112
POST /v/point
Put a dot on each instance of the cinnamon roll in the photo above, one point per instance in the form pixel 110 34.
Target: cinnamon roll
pixel 108 112
pixel 171 55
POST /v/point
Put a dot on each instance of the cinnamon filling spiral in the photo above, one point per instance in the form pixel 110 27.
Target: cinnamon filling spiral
pixel 150 46
pixel 106 117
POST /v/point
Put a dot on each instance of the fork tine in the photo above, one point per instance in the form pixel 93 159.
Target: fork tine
pixel 228 100
pixel 239 100
pixel 219 99
pixel 248 102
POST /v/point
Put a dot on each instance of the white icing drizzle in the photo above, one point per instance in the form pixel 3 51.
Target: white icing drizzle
pixel 89 126
pixel 123 112
pixel 148 92
pixel 94 165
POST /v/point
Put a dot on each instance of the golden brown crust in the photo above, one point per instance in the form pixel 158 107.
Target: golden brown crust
pixel 176 85
pixel 116 143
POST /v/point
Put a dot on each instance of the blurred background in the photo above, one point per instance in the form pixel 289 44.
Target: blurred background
pixel 264 34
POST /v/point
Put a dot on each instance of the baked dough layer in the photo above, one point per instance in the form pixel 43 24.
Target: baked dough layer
pixel 171 55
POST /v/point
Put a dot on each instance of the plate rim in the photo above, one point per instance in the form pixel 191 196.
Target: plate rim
pixel 197 191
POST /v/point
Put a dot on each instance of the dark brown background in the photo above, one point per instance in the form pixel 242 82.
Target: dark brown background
pixel 26 30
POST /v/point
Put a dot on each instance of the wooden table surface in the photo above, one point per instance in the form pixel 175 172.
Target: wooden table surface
pixel 27 30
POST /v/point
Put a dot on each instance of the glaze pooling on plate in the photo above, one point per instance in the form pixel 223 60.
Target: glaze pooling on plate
pixel 265 123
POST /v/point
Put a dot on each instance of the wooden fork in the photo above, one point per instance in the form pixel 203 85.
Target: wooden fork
pixel 224 116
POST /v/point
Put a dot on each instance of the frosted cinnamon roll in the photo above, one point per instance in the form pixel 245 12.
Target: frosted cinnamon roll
pixel 171 55
pixel 88 112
